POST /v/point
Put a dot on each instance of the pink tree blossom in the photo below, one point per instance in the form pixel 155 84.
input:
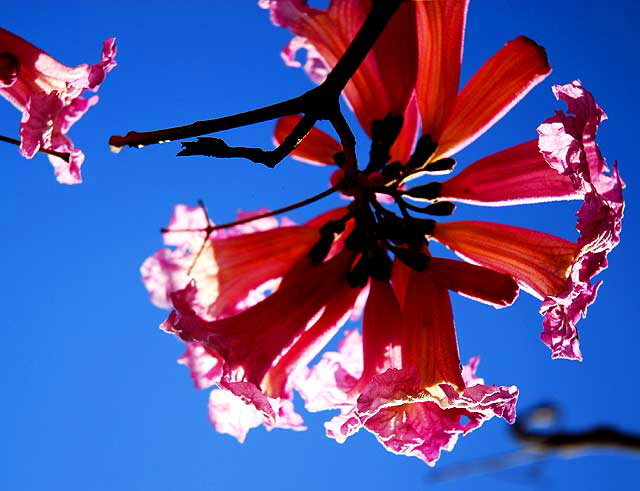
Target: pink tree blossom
pixel 401 379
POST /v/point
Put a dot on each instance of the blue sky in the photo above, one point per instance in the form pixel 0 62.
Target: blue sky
pixel 92 396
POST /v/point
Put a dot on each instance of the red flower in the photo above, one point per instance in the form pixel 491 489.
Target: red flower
pixel 400 380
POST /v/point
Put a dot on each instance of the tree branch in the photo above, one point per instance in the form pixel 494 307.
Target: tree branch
pixel 313 104
pixel 215 147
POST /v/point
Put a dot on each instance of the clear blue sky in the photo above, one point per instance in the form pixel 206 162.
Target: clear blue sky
pixel 92 398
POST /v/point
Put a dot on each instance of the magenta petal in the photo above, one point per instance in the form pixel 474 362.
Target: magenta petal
pixel 568 144
pixel 342 426
pixel 36 126
pixel 66 172
pixel 236 415
pixel 409 420
pixel 231 415
pixel 72 113
pixel 204 365
pixel 98 72
pixel 251 394
pixel 241 406
pixel 328 383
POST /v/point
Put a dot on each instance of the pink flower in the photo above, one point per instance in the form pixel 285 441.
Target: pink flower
pixel 401 378
pixel 49 96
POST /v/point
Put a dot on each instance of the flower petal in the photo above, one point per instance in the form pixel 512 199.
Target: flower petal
pixel 36 126
pixel 429 338
pixel 539 262
pixel 380 340
pixel 231 272
pixel 337 311
pixel 403 146
pixel 380 85
pixel 518 175
pixel 317 148
pixel 251 341
pixel 205 366
pixel 343 425
pixel 498 86
pixel 241 406
pixel 330 383
pixel 66 172
pixel 568 144
pixel 407 420
pixel 229 414
pixel 441 27
pixel 475 282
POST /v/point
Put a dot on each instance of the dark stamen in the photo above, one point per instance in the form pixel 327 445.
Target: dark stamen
pixel 426 192
pixel 441 209
pixel 417 261
pixel 328 234
pixel 424 149
pixel 359 274
pixel 380 267
pixel 384 133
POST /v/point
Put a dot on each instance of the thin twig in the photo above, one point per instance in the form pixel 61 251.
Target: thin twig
pixel 66 156
pixel 278 211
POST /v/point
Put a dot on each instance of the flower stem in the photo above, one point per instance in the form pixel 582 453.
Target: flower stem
pixel 61 155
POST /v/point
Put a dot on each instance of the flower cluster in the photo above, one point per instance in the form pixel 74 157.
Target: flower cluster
pixel 49 95
pixel 255 303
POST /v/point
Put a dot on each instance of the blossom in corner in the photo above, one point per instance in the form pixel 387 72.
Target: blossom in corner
pixel 49 95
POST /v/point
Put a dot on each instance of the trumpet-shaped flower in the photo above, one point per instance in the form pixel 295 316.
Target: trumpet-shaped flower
pixel 49 95
pixel 401 379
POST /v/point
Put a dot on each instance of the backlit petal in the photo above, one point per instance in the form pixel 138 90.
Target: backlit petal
pixel 231 272
pixel 381 84
pixel 408 420
pixel 204 364
pixel 278 381
pixel 539 262
pixel 476 282
pixel 518 175
pixel 428 335
pixel 441 27
pixel 568 144
pixel 498 86
pixel 330 383
pixel 251 341
pixel 381 330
